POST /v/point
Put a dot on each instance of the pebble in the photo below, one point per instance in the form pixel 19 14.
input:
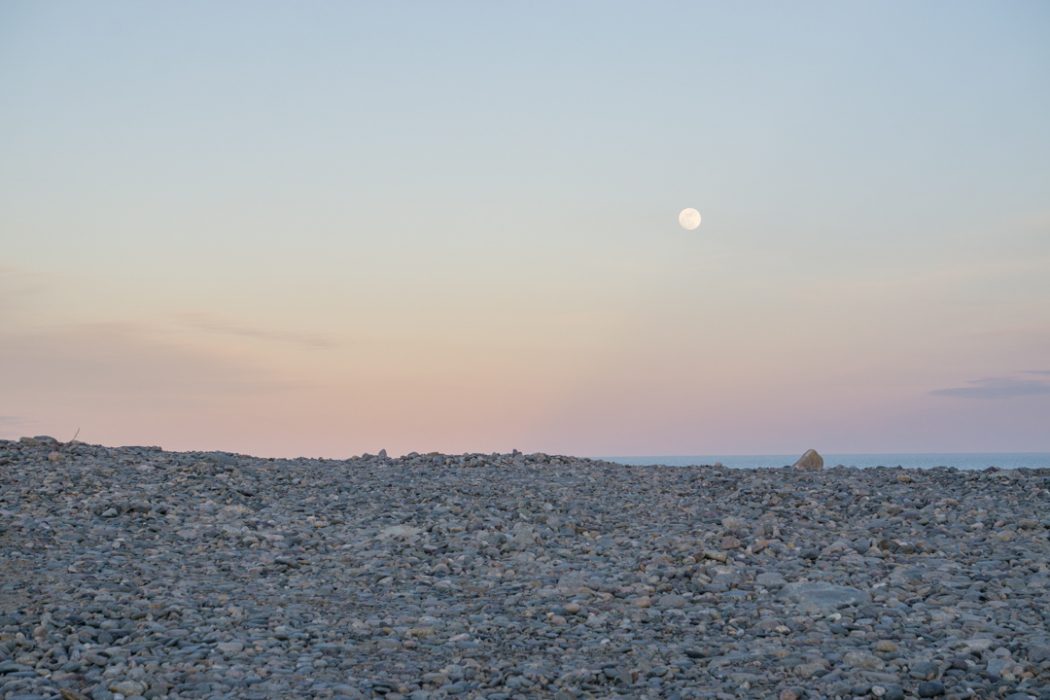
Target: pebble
pixel 770 579
pixel 930 689
pixel 140 573
pixel 893 692
pixel 886 646
pixel 924 670
pixel 862 659
pixel 128 688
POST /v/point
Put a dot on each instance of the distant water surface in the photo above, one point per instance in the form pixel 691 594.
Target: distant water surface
pixel 928 460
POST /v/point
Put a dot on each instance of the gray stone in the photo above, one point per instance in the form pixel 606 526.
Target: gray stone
pixel 770 579
pixel 924 670
pixel 671 601
pixel 893 692
pixel 821 596
pixel 930 689
pixel 863 659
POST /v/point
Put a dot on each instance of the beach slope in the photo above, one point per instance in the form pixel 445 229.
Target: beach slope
pixel 137 572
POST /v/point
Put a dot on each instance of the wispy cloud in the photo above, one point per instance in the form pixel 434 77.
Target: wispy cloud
pixel 216 324
pixel 1043 372
pixel 999 388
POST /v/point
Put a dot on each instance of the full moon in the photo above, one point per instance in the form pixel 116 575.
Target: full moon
pixel 689 219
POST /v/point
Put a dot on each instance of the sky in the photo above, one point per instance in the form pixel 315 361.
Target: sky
pixel 328 228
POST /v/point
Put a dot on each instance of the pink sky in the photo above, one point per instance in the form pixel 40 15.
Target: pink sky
pixel 366 227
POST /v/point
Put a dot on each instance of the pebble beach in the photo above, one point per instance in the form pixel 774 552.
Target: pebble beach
pixel 134 572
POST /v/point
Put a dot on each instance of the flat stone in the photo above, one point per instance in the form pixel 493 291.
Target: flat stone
pixel 886 646
pixel 924 670
pixel 930 689
pixel 770 579
pixel 820 596
pixel 401 532
pixel 863 659
pixel 671 601
pixel 128 687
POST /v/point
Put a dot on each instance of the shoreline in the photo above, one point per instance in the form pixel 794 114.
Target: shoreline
pixel 1034 461
pixel 138 572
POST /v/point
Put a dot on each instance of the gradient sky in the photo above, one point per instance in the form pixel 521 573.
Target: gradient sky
pixel 329 228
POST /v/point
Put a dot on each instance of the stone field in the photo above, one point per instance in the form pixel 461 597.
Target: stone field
pixel 138 573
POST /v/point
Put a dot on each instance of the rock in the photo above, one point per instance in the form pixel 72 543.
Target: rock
pixel 862 659
pixel 820 596
pixel 1001 668
pixel 977 644
pixel 893 692
pixel 733 523
pixel 811 669
pixel 127 688
pixel 1038 653
pixel 230 647
pixel 400 532
pixel 810 461
pixel 924 670
pixel 930 689
pixel 729 542
pixel 886 646
pixel 671 600
pixel 38 440
pixel 770 579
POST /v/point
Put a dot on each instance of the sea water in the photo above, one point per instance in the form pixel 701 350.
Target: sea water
pixel 920 460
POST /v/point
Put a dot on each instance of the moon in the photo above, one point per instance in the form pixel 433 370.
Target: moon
pixel 689 219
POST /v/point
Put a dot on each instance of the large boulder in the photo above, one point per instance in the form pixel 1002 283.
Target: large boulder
pixel 810 461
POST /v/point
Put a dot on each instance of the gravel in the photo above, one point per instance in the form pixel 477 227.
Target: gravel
pixel 138 573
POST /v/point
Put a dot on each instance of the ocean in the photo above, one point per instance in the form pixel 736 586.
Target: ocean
pixel 920 460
